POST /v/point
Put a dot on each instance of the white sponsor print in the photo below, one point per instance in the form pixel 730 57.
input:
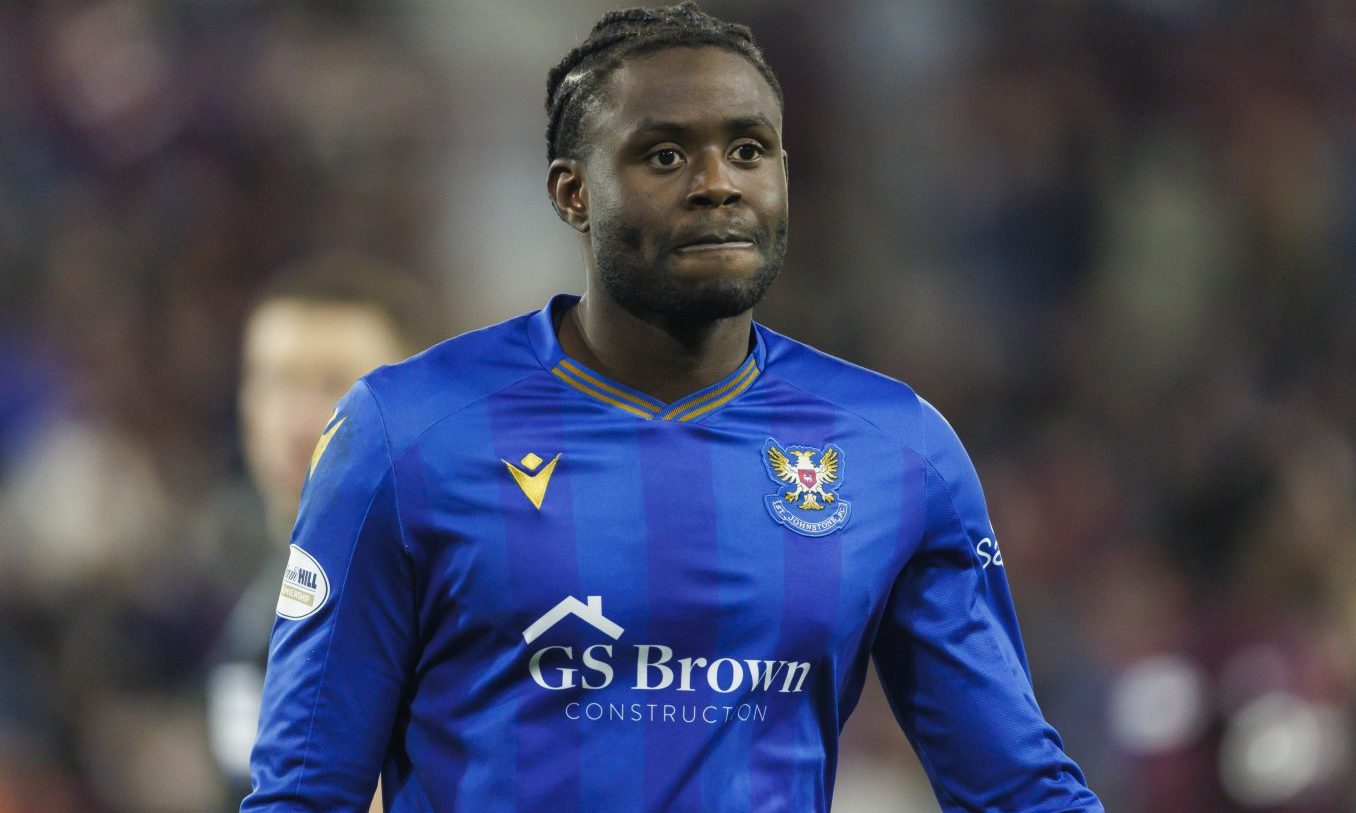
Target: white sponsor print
pixel 305 587
pixel 591 613
pixel 665 713
pixel 989 552
pixel 651 668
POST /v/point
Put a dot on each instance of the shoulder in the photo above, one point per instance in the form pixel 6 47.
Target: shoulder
pixel 898 413
pixel 431 386
pixel 886 403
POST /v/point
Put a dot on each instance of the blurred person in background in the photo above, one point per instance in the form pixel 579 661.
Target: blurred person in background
pixel 314 329
pixel 156 161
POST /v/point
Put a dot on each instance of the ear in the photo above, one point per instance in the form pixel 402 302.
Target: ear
pixel 569 193
pixel 786 175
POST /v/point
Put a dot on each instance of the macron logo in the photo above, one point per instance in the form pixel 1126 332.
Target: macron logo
pixel 591 613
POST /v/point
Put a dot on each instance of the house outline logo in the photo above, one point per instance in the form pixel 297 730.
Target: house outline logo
pixel 590 613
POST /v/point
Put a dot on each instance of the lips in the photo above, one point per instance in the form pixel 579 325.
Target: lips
pixel 727 245
pixel 715 241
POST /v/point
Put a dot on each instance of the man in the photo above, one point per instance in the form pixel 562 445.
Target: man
pixel 633 552
pixel 313 330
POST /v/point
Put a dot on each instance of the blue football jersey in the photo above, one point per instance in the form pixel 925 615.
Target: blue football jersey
pixel 517 585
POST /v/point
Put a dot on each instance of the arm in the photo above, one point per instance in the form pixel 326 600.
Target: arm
pixel 950 658
pixel 344 640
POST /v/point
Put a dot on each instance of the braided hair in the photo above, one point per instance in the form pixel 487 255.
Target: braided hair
pixel 576 84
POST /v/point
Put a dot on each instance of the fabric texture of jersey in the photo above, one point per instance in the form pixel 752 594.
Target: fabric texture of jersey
pixel 519 586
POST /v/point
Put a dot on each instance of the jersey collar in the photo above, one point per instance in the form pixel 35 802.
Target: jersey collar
pixel 542 330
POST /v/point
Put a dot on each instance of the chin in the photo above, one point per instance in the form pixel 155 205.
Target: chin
pixel 689 297
pixel 701 287
pixel 729 270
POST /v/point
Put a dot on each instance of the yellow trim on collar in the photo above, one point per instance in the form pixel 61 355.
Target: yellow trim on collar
pixel 587 390
pixel 605 387
pixel 722 396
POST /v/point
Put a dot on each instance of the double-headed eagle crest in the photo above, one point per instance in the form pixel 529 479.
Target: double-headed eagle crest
pixel 815 476
pixel 808 478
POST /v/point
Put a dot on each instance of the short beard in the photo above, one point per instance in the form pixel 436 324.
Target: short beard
pixel 647 295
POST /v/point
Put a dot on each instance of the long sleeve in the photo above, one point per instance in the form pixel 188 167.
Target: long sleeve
pixel 950 657
pixel 344 640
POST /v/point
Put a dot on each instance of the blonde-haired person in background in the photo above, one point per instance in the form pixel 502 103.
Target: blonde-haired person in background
pixel 313 330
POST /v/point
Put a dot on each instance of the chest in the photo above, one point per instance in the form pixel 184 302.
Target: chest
pixel 708 538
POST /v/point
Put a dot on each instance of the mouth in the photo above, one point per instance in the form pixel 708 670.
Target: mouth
pixel 728 245
pixel 715 242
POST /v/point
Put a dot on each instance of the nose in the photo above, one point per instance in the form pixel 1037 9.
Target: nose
pixel 713 183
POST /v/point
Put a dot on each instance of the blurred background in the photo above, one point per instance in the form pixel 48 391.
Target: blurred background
pixel 1114 242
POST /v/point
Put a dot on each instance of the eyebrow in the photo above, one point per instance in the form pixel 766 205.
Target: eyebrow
pixel 675 128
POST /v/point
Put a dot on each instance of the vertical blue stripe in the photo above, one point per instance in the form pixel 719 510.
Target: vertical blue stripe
pixel 679 493
pixel 894 515
pixel 538 542
pixel 748 548
pixel 450 714
pixel 610 537
pixel 811 583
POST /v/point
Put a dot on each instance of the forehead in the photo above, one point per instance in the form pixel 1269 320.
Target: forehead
pixel 289 331
pixel 688 85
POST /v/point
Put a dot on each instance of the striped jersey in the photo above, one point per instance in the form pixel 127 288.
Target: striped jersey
pixel 518 586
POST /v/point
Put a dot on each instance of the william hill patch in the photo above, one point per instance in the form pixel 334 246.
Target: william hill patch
pixel 305 587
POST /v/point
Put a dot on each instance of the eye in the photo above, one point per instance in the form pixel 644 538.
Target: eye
pixel 747 152
pixel 665 158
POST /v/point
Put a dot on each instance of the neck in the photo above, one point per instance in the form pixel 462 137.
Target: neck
pixel 658 357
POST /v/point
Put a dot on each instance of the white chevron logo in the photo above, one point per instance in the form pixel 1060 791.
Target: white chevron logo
pixel 591 613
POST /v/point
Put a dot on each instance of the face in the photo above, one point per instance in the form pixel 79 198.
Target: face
pixel 299 359
pixel 685 185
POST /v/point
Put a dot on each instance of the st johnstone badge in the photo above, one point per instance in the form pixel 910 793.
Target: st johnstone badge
pixel 808 479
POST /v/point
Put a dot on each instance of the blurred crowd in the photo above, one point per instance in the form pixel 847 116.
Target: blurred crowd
pixel 1113 241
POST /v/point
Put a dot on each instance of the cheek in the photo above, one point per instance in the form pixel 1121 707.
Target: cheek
pixel 769 194
pixel 622 228
pixel 633 200
pixel 617 202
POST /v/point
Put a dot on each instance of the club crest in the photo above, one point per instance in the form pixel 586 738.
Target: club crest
pixel 808 479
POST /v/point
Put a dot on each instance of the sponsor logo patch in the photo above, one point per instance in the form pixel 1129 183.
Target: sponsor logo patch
pixel 628 682
pixel 305 587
